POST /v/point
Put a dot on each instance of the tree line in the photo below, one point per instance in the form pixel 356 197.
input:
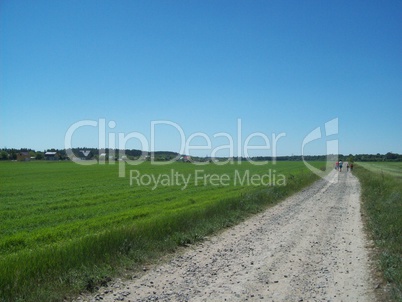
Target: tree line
pixel 81 153
pixel 110 154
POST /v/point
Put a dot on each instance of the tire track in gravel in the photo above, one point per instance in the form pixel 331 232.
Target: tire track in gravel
pixel 310 247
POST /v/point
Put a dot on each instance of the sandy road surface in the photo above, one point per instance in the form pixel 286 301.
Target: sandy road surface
pixel 310 247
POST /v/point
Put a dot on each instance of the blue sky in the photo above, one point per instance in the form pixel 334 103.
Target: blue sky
pixel 279 66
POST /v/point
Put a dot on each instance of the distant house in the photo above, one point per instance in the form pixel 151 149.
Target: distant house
pixel 23 156
pixel 51 156
pixel 186 159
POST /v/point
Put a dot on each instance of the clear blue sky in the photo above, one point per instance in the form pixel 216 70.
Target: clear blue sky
pixel 279 66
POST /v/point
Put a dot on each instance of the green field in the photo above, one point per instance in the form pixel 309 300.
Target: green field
pixel 391 168
pixel 382 206
pixel 66 226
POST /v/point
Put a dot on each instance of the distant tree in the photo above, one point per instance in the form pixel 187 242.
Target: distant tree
pixel 391 156
pixel 39 156
pixel 3 155
pixel 13 155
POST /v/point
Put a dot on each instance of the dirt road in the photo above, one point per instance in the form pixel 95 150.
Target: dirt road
pixel 310 247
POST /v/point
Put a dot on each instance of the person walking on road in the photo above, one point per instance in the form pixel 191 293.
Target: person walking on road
pixel 340 166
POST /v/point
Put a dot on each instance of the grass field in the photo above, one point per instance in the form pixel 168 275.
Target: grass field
pixel 67 227
pixel 382 205
pixel 392 168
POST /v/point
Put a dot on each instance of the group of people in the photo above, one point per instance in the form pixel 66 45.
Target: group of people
pixel 339 165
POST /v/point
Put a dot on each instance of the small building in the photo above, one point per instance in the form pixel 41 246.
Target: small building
pixel 23 156
pixel 186 159
pixel 51 156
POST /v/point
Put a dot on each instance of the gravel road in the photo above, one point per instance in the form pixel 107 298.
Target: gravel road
pixel 310 247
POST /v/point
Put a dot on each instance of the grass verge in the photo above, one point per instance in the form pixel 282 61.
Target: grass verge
pixel 382 205
pixel 67 268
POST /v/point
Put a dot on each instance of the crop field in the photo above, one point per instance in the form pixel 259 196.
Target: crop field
pixel 391 168
pixel 382 205
pixel 60 220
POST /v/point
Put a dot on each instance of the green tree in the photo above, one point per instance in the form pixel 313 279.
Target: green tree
pixel 391 156
pixel 13 155
pixel 3 155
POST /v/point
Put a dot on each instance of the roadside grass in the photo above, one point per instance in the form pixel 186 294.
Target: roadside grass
pixel 67 228
pixel 382 204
